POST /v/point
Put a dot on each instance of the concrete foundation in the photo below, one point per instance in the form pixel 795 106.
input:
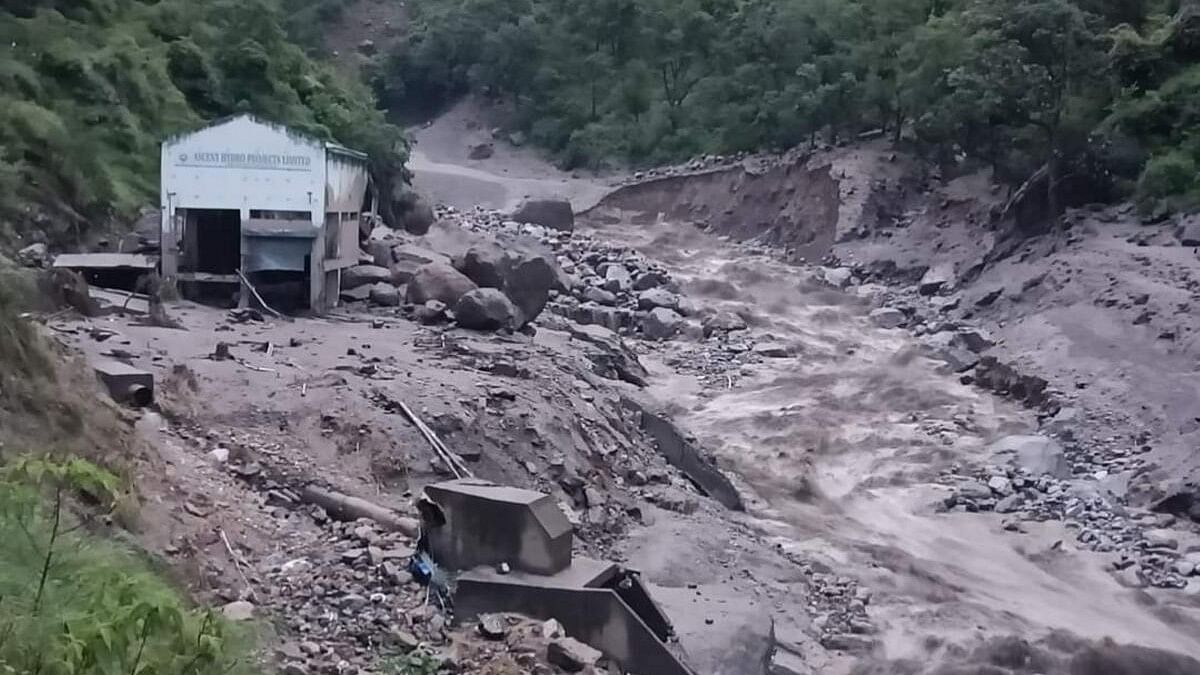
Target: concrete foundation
pixel 596 602
pixel 469 523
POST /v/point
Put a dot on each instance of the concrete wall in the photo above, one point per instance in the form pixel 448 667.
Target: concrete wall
pixel 682 454
pixel 595 616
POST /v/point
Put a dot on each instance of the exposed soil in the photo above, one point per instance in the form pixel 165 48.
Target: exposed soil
pixel 884 530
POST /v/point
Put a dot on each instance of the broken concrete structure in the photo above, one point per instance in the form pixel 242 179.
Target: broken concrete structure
pixel 488 524
pixel 126 384
pixel 512 548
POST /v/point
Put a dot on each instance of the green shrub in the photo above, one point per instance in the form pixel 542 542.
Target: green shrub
pixel 1171 178
pixel 72 604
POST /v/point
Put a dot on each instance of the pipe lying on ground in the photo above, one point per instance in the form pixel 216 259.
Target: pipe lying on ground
pixel 345 507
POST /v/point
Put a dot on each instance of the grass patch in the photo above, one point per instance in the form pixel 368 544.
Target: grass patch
pixel 74 604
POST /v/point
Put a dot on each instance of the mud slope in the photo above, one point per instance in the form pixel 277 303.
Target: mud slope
pixel 803 203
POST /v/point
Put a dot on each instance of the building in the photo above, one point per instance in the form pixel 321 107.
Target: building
pixel 243 196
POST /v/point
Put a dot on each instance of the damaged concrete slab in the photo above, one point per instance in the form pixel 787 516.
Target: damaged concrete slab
pixel 594 601
pixel 512 548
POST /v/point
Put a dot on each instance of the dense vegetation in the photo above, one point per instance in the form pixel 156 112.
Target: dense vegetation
pixel 1110 88
pixel 88 88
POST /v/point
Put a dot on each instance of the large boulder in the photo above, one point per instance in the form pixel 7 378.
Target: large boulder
pixel 657 297
pixel 723 322
pixel 385 295
pixel 487 264
pixel 411 212
pixel 1034 453
pixel 525 276
pixel 381 252
pixel 888 317
pixel 438 281
pixel 555 214
pixel 362 275
pixel 599 295
pixel 529 283
pixel 1188 231
pixel 486 309
pixel 661 323
pixel 408 258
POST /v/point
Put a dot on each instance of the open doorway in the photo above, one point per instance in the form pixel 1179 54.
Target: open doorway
pixel 212 241
pixel 210 253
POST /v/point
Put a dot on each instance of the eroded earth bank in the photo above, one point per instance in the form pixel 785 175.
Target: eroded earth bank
pixel 906 433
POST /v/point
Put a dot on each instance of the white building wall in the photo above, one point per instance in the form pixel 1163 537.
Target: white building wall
pixel 243 164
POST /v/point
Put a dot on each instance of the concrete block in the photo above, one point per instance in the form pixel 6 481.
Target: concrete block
pixel 471 523
pixel 126 384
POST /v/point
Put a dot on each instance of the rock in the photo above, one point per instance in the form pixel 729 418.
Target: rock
pixel 657 297
pixel 974 339
pixel 959 360
pixel 438 281
pixel 34 255
pixel 554 214
pixel 381 253
pixel 1036 454
pixel 1161 539
pixel 1009 504
pixel 661 324
pixel 1000 485
pixel 838 277
pixel 989 298
pixel 617 279
pixel 551 629
pixel 517 138
pixel 363 275
pixel 492 626
pixel 784 662
pixel 385 295
pixel 415 214
pixel 1184 568
pixel 723 322
pixel 408 258
pixel 888 317
pixel 572 655
pixel 974 490
pixel 367 46
pixel 433 311
pixel 936 278
pixel 486 309
pixel 1188 232
pixel 402 640
pixel 486 264
pixel 599 295
pixel 481 151
pixel 294 669
pixel 238 611
pixel 774 350
pixel 848 642
pixel 528 285
pixel 649 280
